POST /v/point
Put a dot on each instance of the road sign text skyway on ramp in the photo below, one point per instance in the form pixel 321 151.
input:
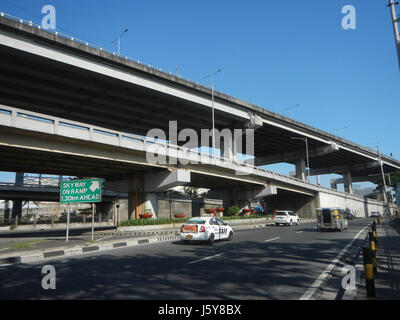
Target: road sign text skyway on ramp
pixel 78 191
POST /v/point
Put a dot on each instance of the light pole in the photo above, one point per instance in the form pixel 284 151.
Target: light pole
pixel 339 129
pixel 212 107
pixel 308 162
pixel 119 40
pixel 291 110
pixel 383 174
pixel 395 27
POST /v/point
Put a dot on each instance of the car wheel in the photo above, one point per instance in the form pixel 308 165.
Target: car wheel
pixel 290 223
pixel 211 239
pixel 276 224
pixel 230 237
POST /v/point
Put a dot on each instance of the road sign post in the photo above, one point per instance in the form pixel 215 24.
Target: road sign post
pixel 66 237
pixel 93 210
pixel 80 191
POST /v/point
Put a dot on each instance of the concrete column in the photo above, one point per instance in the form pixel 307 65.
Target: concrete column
pixel 150 203
pixel 227 150
pixel 348 187
pixel 17 204
pixel 19 179
pixel 7 209
pixel 301 172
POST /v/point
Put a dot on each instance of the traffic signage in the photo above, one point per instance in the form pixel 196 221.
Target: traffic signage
pixel 80 191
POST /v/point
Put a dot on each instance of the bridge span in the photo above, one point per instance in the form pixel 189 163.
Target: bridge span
pixel 71 108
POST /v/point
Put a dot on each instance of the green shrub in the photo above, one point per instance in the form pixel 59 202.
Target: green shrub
pixel 149 222
pixel 232 211
pixel 253 216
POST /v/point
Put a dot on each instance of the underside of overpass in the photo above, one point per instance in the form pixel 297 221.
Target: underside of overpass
pixel 52 75
pixel 303 205
pixel 46 85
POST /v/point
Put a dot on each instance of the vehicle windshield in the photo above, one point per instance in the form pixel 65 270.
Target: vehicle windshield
pixel 281 213
pixel 196 221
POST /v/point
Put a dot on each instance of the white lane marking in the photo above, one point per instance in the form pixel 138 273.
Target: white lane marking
pixel 299 231
pixel 206 258
pixel 317 283
pixel 272 239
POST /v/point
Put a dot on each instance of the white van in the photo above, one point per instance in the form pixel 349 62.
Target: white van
pixel 286 217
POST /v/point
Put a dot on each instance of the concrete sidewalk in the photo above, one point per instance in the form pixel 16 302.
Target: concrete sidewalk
pixel 387 279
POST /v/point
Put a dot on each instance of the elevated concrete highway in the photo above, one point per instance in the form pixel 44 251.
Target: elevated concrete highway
pixel 40 143
pixel 71 108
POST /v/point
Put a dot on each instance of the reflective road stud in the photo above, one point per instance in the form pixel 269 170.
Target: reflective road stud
pixel 369 273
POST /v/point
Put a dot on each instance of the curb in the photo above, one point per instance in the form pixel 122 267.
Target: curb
pixel 320 283
pixel 351 294
pixel 67 252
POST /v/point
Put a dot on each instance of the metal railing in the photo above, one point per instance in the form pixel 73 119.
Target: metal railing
pixel 27 120
pixel 141 63
pixel 97 47
pixel 32 220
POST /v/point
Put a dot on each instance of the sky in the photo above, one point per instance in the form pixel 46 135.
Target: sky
pixel 274 54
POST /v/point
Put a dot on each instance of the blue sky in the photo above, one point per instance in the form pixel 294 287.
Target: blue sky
pixel 275 54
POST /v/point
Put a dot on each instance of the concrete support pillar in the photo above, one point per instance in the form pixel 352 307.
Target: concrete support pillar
pixel 227 150
pixel 301 172
pixel 150 203
pixel 334 184
pixel 7 209
pixel 17 204
pixel 348 187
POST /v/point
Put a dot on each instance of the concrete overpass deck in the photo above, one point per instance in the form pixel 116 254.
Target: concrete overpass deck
pixel 37 143
pixel 53 74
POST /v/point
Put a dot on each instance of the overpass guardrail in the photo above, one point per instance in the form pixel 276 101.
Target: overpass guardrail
pixel 32 121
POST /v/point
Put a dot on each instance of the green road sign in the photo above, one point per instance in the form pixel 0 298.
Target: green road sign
pixel 78 191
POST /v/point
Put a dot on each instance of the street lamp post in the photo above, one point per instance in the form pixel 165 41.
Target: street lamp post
pixel 383 174
pixel 338 130
pixel 291 110
pixel 212 108
pixel 119 41
pixel 395 27
pixel 307 157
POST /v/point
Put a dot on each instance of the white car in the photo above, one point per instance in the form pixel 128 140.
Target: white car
pixel 205 229
pixel 286 217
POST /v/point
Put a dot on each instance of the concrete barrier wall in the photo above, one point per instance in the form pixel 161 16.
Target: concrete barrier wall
pixel 361 207
pixel 167 209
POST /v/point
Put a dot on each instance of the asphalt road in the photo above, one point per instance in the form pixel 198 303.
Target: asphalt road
pixel 260 263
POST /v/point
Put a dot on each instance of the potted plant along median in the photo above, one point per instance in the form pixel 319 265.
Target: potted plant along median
pixel 246 212
pixel 211 211
pixel 146 215
pixel 179 215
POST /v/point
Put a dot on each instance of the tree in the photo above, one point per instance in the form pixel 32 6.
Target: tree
pixel 394 179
